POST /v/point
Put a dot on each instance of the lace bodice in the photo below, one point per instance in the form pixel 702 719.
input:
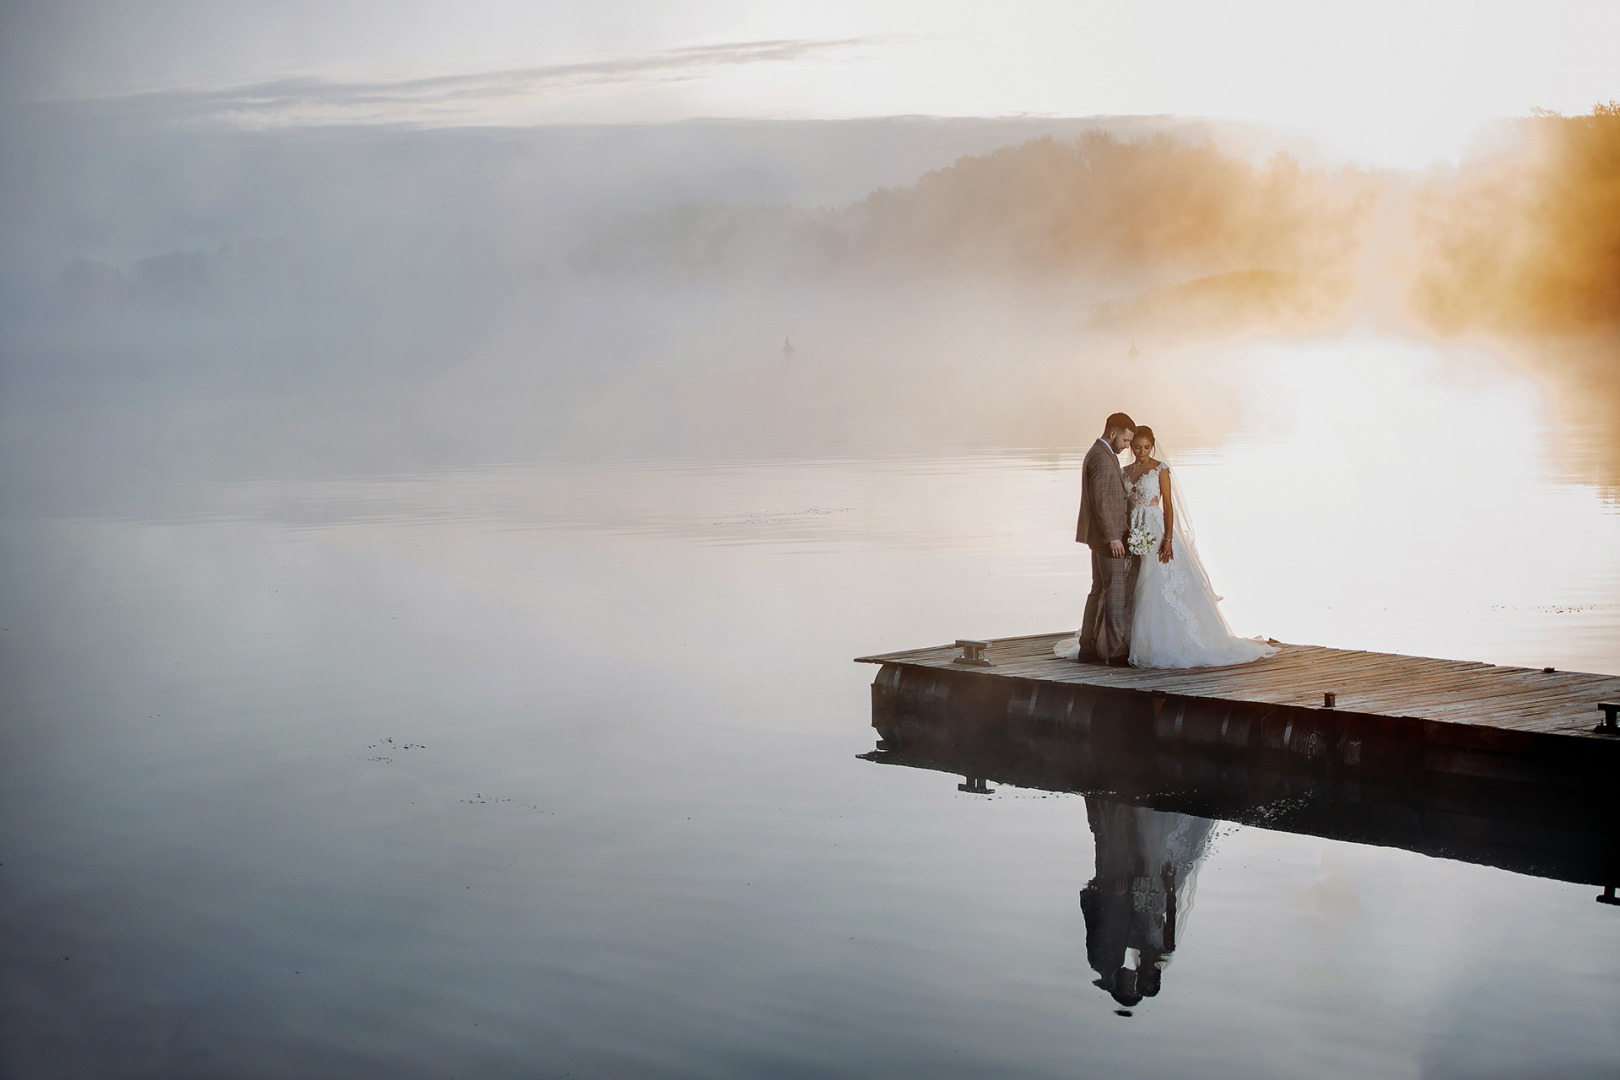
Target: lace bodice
pixel 1143 493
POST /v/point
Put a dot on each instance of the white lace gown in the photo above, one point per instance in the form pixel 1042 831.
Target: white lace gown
pixel 1178 621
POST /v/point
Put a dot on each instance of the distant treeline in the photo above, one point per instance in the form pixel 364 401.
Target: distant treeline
pixel 1156 210
pixel 1525 238
pixel 1099 204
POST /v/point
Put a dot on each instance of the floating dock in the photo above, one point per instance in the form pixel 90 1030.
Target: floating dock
pixel 1340 710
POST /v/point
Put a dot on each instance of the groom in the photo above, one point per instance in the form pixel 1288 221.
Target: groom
pixel 1105 636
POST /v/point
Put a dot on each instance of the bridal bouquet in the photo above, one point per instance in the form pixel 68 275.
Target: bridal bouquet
pixel 1142 540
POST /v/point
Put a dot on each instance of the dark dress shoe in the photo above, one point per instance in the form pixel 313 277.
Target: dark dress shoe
pixel 1118 661
pixel 1089 658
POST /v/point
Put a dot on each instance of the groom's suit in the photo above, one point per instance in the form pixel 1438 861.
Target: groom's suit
pixel 1106 631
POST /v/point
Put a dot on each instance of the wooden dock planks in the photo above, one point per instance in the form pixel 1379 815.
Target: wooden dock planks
pixel 1367 683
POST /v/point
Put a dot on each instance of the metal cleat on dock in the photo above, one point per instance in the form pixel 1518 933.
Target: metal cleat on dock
pixel 973 653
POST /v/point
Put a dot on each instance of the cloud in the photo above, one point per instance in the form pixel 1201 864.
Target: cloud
pixel 485 97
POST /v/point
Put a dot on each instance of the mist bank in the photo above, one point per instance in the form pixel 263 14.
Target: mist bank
pixel 1523 236
pixel 105 204
pixel 1096 212
pixel 181 302
pixel 1526 238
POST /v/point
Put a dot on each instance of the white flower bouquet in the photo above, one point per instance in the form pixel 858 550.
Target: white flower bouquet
pixel 1142 540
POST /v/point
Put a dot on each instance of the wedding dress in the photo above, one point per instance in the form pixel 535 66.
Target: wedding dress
pixel 1177 622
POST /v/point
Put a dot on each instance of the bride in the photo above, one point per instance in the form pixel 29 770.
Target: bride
pixel 1176 621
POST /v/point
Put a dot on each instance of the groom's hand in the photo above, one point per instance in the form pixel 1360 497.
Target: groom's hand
pixel 1116 548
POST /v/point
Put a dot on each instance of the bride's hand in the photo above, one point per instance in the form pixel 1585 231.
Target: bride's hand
pixel 1165 553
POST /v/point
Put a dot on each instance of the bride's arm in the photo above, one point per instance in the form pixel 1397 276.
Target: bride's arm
pixel 1166 552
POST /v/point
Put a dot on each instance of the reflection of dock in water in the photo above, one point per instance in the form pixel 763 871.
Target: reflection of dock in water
pixel 1486 764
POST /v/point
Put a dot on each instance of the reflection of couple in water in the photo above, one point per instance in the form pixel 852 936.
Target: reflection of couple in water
pixel 1136 906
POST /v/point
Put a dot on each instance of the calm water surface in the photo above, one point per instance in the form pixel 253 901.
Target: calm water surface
pixel 550 769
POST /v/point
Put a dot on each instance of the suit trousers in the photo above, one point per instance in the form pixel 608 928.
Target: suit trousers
pixel 1106 631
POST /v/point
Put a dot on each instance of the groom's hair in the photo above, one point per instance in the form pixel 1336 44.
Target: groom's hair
pixel 1118 422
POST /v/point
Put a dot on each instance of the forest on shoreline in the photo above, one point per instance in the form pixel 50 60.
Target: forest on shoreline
pixel 1523 237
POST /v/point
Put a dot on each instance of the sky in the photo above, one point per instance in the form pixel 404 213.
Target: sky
pixel 1388 83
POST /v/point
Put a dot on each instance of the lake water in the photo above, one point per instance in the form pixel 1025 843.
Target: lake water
pixel 550 768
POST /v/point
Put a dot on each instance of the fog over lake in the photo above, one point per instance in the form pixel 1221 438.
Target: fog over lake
pixel 432 556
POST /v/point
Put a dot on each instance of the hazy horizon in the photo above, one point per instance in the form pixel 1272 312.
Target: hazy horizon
pixel 181 300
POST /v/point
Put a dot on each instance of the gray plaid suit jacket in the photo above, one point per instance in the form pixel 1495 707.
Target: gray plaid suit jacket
pixel 1103 517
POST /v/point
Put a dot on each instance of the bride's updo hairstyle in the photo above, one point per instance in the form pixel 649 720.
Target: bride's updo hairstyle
pixel 1145 430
